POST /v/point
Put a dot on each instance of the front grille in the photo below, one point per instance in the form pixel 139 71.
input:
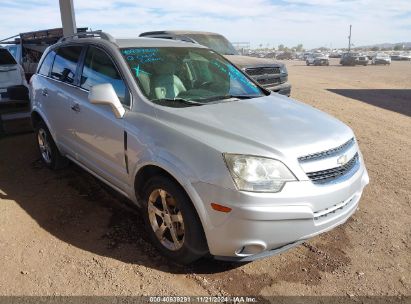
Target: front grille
pixel 267 81
pixel 325 176
pixel 262 71
pixel 327 153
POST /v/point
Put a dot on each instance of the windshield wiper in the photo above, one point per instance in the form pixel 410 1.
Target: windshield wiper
pixel 218 98
pixel 181 100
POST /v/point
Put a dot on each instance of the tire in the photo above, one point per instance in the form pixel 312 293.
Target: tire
pixel 188 243
pixel 307 63
pixel 48 150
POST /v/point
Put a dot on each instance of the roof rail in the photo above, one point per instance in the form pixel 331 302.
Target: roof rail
pixel 91 34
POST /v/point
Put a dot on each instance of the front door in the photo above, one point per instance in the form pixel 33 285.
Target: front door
pixel 99 134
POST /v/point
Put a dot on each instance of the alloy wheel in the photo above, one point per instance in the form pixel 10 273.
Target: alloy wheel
pixel 44 145
pixel 166 219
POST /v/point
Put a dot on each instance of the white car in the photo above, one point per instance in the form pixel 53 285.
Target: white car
pixel 13 84
pixel 317 59
pixel 381 58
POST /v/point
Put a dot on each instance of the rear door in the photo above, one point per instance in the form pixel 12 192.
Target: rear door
pixel 58 93
pixel 100 136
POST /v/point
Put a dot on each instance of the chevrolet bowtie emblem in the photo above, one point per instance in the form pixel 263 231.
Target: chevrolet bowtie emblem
pixel 342 160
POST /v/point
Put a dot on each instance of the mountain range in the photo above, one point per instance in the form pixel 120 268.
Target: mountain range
pixel 387 45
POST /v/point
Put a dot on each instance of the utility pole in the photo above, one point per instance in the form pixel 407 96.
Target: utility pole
pixel 68 18
pixel 349 40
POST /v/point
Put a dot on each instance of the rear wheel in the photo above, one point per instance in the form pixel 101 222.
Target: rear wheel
pixel 49 152
pixel 172 222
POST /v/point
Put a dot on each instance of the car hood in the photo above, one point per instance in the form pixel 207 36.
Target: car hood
pixel 270 125
pixel 246 61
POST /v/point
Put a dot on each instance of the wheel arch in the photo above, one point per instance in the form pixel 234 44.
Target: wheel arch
pixel 36 118
pixel 147 170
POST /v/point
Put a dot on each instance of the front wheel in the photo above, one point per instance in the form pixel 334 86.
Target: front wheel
pixel 49 152
pixel 172 222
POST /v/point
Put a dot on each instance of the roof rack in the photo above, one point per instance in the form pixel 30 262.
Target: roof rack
pixel 91 34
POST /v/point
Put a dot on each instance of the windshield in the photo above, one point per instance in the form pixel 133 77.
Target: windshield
pixel 6 58
pixel 176 76
pixel 217 43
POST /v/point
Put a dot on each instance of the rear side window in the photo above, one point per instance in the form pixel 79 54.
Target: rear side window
pixel 98 69
pixel 13 51
pixel 65 63
pixel 47 63
pixel 6 57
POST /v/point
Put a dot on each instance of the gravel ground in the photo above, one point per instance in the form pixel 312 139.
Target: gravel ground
pixel 64 233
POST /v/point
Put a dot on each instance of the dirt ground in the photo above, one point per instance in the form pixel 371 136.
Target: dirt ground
pixel 64 233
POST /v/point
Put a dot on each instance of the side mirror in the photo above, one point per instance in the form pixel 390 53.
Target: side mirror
pixel 105 94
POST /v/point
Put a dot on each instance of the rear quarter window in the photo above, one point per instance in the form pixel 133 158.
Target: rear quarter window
pixel 47 64
pixel 6 57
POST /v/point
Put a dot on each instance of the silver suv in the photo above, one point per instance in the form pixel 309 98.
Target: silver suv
pixel 218 164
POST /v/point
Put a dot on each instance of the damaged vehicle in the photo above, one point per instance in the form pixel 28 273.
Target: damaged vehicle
pixel 27 48
pixel 381 58
pixel 268 73
pixel 351 59
pixel 13 85
pixel 317 59
pixel 218 165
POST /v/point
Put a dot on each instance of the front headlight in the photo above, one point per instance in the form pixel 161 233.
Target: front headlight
pixel 283 70
pixel 257 174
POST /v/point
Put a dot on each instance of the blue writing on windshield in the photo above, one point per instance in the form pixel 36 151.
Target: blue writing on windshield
pixel 142 55
pixel 235 74
pixel 138 70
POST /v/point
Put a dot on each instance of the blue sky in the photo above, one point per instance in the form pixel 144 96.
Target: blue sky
pixel 311 22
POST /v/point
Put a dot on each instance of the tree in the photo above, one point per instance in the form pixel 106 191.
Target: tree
pixel 299 48
pixel 375 48
pixel 398 47
pixel 281 47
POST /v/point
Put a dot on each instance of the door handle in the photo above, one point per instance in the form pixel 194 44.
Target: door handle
pixel 44 92
pixel 75 107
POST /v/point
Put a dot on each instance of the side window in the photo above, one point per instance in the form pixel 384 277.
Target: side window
pixel 47 63
pixel 13 51
pixel 65 63
pixel 99 68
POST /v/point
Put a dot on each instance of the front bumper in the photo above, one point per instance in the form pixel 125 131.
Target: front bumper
pixel 283 89
pixel 264 224
pixel 321 62
pixel 381 61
